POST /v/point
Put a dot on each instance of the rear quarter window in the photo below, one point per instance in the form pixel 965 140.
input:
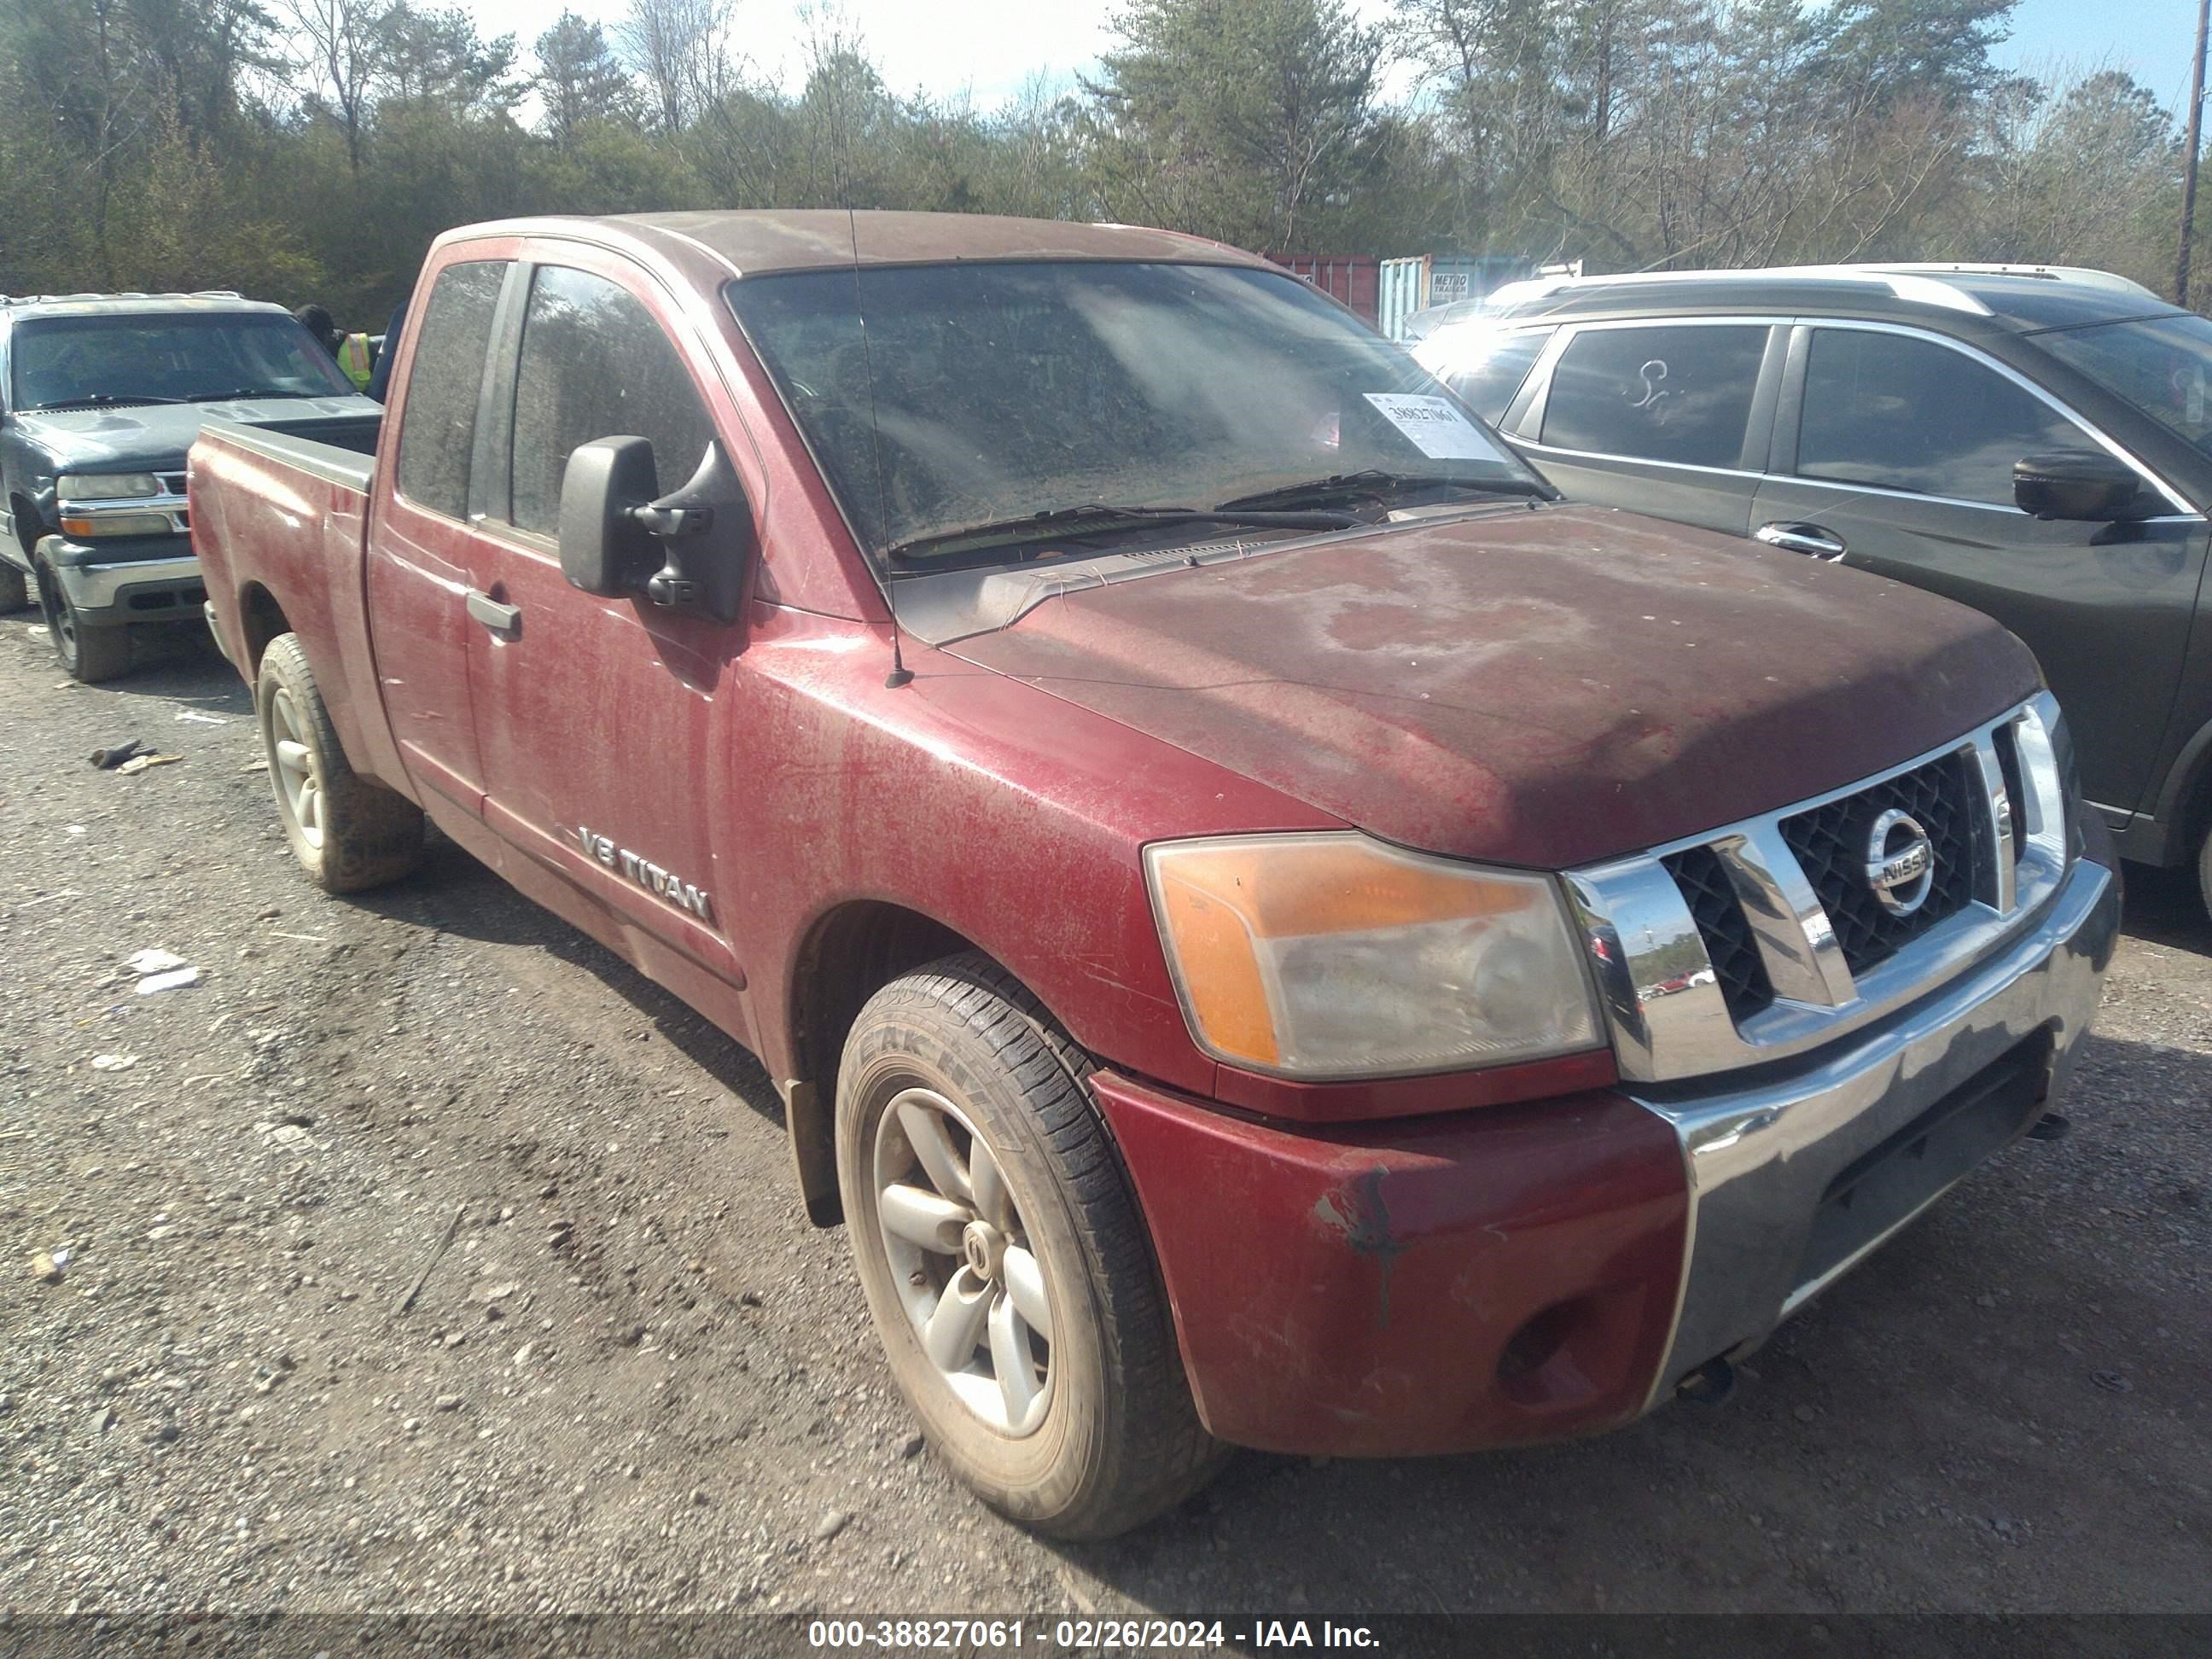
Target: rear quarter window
pixel 438 426
pixel 1680 394
pixel 1486 367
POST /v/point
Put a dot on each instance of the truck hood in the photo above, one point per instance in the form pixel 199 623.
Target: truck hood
pixel 1538 687
pixel 154 437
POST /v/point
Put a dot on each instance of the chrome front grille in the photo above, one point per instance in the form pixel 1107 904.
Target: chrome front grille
pixel 1766 938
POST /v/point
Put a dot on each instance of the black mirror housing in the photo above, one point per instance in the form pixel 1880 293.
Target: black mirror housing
pixel 604 549
pixel 685 551
pixel 2085 485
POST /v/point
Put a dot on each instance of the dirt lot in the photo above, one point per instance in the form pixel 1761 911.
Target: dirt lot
pixel 637 1380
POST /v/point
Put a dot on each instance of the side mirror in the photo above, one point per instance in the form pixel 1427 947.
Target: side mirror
pixel 604 549
pixel 2083 484
pixel 686 550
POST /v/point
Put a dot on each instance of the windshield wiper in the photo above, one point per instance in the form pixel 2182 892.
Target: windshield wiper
pixel 1375 482
pixel 102 399
pixel 1103 513
pixel 256 391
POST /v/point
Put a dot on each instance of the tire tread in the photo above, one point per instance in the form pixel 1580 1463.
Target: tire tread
pixel 1162 1451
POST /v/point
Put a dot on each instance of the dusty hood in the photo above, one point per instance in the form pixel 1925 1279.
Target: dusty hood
pixel 139 437
pixel 1542 688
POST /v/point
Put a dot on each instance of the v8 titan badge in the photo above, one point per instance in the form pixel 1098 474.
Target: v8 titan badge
pixel 646 874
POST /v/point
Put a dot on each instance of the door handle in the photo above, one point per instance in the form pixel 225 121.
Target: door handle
pixel 1810 539
pixel 504 620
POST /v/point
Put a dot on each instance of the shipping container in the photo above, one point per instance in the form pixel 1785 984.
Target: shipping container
pixel 1425 280
pixel 1349 277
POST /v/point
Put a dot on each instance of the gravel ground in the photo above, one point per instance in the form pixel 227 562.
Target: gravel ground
pixel 635 1380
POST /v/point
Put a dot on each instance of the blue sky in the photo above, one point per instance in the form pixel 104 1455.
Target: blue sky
pixel 2152 40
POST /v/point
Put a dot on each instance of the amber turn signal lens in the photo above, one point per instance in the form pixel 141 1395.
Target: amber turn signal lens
pixel 1332 955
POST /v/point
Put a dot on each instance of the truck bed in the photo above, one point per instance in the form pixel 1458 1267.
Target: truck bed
pixel 275 513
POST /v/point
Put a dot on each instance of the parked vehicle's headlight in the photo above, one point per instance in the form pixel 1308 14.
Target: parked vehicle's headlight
pixel 105 486
pixel 1332 955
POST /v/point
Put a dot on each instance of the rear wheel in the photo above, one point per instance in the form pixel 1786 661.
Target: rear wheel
pixel 1004 1258
pixel 88 651
pixel 347 832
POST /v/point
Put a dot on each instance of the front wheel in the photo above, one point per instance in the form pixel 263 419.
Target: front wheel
pixel 1005 1261
pixel 87 652
pixel 347 832
pixel 2204 869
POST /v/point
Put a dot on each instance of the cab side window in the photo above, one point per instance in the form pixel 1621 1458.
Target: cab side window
pixel 438 426
pixel 596 365
pixel 1901 413
pixel 1679 394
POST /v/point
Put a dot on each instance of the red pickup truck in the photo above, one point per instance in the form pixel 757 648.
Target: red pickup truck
pixel 1270 928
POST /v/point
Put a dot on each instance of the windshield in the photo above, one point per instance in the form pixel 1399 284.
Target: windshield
pixel 156 357
pixel 1000 390
pixel 2162 365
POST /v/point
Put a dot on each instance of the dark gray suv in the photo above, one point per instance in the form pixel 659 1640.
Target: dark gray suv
pixel 2036 443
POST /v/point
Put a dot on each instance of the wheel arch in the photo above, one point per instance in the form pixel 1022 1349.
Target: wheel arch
pixel 848 953
pixel 261 618
pixel 29 528
pixel 2185 802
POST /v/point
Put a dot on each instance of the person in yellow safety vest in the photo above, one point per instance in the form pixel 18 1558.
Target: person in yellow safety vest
pixel 354 357
pixel 355 361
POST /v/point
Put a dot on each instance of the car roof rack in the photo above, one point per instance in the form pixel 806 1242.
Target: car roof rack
pixel 1914 281
pixel 8 299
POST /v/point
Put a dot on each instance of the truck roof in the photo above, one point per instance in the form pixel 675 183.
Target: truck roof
pixel 756 243
pixel 107 305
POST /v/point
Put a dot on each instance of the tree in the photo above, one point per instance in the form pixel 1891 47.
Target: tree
pixel 580 79
pixel 336 42
pixel 1241 119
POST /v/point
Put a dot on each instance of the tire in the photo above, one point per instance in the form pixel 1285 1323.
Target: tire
pixel 2204 868
pixel 348 833
pixel 1101 1435
pixel 87 652
pixel 15 588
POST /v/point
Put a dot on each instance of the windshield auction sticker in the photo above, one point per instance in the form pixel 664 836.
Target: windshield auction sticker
pixel 1439 430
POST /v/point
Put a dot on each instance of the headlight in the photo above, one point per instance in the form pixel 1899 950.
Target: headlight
pixel 105 486
pixel 1334 955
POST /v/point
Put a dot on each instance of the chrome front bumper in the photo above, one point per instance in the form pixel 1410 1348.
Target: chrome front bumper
pixel 1764 1157
pixel 96 585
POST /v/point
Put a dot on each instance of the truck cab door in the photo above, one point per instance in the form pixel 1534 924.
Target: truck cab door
pixel 603 721
pixel 420 550
pixel 1893 453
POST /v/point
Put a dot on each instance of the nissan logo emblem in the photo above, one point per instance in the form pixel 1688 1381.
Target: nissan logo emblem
pixel 1901 864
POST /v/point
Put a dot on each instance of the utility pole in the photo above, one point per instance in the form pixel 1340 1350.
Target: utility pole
pixel 2189 166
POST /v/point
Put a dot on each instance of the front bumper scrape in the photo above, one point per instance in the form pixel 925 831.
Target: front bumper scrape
pixel 1884 1125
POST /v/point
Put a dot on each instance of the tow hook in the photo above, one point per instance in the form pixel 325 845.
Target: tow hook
pixel 1711 1383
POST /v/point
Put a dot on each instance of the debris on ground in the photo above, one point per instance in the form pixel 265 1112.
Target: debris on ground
pixel 45 1265
pixel 194 715
pixel 114 1062
pixel 175 980
pixel 151 961
pixel 109 758
pixel 138 764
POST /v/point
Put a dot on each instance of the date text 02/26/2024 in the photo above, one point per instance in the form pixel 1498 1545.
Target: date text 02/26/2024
pixel 1081 1635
